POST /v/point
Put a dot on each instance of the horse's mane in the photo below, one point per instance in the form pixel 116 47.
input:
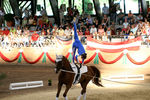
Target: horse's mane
pixel 65 62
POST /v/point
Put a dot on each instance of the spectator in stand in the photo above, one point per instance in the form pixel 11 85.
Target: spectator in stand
pixel 1 17
pixel 67 31
pixel 125 26
pixel 1 39
pixel 89 19
pixel 26 13
pixel 139 17
pixel 80 33
pixel 113 28
pixel 121 16
pixel 13 31
pixel 55 31
pixel 87 24
pixel 82 27
pixel 141 23
pixel 69 14
pixel 104 25
pixel 130 15
pixel 1 31
pixel 76 11
pixel 43 32
pixel 80 20
pixel 131 35
pixel 40 23
pixel 17 21
pixel 49 36
pixel 26 31
pixel 101 31
pixel 24 22
pixel 148 41
pixel 20 41
pixel 18 31
pixel 49 25
pixel 43 12
pixel 106 20
pixel 148 16
pixel 45 20
pixel 105 10
pixel 132 21
pixel 144 33
pixel 5 41
pixel 139 32
pixel 34 39
pixel 6 31
pixel 41 40
pixel 93 31
pixel 48 32
pixel 96 23
pixel 61 14
pixel 25 41
pixel 61 31
pixel 72 31
pixel 113 11
pixel 87 32
pixel 30 22
pixel 134 29
pixel 108 32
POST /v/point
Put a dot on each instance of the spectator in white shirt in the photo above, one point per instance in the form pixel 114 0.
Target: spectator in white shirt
pixel 134 29
pixel 67 31
pixel 93 30
pixel 125 26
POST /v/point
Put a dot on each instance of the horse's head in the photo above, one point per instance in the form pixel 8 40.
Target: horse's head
pixel 61 63
pixel 58 63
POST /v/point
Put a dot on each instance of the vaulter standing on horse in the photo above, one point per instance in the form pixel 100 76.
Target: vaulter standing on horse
pixel 78 45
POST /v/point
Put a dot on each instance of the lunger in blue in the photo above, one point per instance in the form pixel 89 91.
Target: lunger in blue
pixel 78 45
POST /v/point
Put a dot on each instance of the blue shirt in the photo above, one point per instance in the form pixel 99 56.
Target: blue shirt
pixel 77 44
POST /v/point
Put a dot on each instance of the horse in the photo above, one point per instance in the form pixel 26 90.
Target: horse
pixel 66 77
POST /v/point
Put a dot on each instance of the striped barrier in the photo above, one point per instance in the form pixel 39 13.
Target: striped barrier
pixel 25 85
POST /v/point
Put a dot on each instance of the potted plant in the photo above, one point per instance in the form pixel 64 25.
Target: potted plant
pixel 49 82
pixel 2 76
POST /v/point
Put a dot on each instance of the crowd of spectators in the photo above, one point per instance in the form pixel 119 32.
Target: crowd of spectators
pixel 33 30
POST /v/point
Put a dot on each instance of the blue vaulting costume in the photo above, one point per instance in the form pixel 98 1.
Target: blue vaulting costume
pixel 78 45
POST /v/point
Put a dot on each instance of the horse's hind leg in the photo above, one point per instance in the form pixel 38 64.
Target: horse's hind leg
pixel 58 91
pixel 66 91
pixel 83 92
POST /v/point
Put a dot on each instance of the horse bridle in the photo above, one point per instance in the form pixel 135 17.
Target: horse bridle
pixel 58 59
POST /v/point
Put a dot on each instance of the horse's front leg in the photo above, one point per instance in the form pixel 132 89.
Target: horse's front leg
pixel 66 91
pixel 58 91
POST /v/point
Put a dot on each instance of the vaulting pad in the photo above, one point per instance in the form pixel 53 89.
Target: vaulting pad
pixel 83 69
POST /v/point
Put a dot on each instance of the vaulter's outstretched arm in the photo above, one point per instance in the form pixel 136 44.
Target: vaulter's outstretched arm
pixel 75 32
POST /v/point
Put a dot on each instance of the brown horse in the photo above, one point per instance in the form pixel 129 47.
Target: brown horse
pixel 66 77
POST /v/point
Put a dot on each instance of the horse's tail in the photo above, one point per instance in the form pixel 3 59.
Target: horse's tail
pixel 97 75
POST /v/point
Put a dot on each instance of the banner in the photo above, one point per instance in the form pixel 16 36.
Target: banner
pixel 131 45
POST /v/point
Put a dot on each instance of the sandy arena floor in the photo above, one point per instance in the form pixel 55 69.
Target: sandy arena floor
pixel 111 91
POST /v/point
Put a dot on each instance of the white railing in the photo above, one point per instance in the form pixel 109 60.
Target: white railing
pixel 126 77
pixel 25 85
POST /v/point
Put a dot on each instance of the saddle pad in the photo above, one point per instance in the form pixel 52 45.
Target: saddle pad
pixel 83 69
